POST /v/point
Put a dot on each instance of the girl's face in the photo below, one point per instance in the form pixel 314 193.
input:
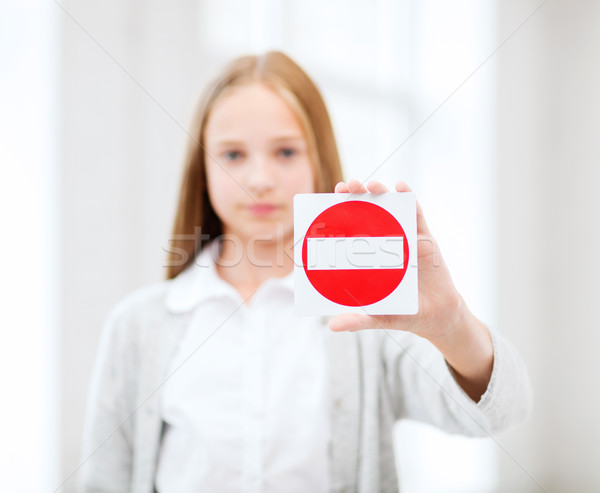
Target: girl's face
pixel 263 162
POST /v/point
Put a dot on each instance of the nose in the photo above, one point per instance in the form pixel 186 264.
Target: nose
pixel 260 175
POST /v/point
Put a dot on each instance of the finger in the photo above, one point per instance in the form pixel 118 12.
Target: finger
pixel 354 186
pixel 402 186
pixel 341 188
pixel 376 187
pixel 422 227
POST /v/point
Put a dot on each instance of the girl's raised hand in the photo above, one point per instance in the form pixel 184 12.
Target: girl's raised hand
pixel 443 318
pixel 440 305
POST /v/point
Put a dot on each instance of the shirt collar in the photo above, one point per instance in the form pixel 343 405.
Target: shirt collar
pixel 200 281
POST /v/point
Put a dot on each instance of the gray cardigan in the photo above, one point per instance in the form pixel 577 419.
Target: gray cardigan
pixel 377 377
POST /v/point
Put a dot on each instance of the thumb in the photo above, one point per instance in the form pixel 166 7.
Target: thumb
pixel 350 322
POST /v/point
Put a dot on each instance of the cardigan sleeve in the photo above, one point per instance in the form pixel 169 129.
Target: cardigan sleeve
pixel 422 387
pixel 106 461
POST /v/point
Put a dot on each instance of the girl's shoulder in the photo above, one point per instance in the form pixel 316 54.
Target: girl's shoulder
pixel 141 312
pixel 150 297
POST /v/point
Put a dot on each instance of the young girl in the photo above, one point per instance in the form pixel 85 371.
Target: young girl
pixel 208 381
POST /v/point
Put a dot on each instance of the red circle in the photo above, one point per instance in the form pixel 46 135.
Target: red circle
pixel 354 287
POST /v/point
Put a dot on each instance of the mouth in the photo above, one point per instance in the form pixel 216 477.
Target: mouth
pixel 262 209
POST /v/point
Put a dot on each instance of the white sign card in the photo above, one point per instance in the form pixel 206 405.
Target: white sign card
pixel 356 253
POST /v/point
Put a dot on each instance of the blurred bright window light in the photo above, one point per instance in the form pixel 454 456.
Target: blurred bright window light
pixel 29 251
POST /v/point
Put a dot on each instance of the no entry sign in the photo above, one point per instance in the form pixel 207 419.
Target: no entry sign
pixel 355 253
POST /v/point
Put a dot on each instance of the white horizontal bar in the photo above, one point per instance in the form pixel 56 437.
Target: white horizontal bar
pixel 355 252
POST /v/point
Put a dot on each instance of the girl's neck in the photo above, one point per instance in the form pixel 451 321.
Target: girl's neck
pixel 246 265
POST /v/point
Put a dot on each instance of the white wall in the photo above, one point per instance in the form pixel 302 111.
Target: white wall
pixel 548 237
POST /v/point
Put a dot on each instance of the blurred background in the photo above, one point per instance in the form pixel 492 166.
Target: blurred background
pixel 489 110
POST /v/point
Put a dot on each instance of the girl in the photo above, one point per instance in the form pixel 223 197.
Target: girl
pixel 208 381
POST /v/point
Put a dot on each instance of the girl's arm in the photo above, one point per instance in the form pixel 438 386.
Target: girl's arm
pixel 443 318
pixel 422 386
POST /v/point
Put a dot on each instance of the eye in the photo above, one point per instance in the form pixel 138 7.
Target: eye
pixel 287 152
pixel 232 155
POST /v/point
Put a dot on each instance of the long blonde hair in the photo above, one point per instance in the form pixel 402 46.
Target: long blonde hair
pixel 196 222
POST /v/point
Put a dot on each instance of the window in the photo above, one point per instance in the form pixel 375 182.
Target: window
pixel 30 273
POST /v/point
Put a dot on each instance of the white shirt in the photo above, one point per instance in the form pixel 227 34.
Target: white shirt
pixel 246 406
